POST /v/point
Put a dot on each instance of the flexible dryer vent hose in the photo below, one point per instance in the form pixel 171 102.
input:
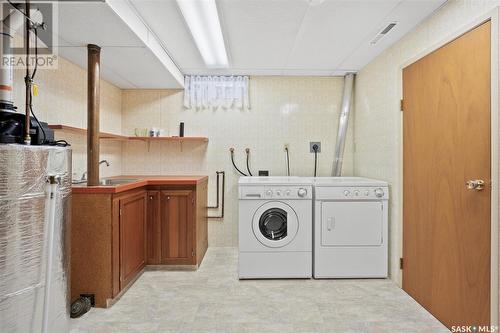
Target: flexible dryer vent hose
pixel 343 125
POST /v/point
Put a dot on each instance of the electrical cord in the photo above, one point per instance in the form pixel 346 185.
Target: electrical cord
pixel 315 148
pixel 36 54
pixel 248 157
pixel 59 143
pixel 287 161
pixel 29 81
pixel 234 164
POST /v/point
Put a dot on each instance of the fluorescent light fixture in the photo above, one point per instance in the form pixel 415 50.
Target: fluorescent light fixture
pixel 203 21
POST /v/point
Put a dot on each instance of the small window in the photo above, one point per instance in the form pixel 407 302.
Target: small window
pixel 273 224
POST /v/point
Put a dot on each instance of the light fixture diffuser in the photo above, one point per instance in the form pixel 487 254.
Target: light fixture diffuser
pixel 202 19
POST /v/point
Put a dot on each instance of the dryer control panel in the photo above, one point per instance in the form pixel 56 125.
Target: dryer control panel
pixel 352 193
pixel 275 192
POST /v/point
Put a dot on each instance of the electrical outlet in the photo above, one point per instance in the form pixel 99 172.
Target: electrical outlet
pixel 311 146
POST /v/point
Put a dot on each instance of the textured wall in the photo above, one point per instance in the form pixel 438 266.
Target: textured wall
pixel 377 119
pixel 293 110
pixel 63 100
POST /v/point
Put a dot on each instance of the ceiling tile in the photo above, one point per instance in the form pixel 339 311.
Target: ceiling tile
pixel 333 29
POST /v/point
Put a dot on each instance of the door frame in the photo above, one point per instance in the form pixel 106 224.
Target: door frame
pixel 492 15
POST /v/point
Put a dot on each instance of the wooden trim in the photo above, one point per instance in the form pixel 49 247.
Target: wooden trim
pixel 201 220
pixel 115 247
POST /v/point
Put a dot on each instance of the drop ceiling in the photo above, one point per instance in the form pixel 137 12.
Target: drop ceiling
pixel 131 56
pixel 147 44
pixel 289 37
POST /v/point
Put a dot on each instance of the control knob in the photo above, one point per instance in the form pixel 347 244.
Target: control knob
pixel 269 193
pixel 302 192
pixel 379 193
pixel 346 193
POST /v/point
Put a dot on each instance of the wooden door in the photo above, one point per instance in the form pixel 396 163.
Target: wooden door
pixel 132 236
pixel 153 229
pixel 446 133
pixel 177 227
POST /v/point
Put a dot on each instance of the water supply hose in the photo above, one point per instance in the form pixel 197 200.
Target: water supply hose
pixel 247 150
pixel 234 164
pixel 287 161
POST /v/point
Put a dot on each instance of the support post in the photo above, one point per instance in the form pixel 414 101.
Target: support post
pixel 93 108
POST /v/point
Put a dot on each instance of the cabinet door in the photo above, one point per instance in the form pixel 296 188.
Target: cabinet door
pixel 132 236
pixel 177 227
pixel 153 229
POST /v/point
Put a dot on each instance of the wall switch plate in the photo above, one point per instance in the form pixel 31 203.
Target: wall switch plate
pixel 311 145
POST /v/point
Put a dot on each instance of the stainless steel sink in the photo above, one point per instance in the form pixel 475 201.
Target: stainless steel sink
pixel 114 182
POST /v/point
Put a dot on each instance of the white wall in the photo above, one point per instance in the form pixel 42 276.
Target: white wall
pixel 293 110
pixel 377 119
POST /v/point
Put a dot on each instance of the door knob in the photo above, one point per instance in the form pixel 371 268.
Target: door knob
pixel 475 184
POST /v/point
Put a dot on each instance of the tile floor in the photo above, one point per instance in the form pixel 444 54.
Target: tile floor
pixel 212 299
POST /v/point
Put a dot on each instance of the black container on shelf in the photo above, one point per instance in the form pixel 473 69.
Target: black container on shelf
pixel 181 129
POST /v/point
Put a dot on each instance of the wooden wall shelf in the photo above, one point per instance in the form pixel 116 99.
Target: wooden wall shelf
pixel 168 138
pixel 118 137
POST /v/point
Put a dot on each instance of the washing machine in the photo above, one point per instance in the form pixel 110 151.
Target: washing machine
pixel 350 228
pixel 275 227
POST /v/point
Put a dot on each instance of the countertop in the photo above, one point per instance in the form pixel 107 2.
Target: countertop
pixel 141 181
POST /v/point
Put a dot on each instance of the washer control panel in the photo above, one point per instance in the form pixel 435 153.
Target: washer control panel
pixel 276 192
pixel 352 193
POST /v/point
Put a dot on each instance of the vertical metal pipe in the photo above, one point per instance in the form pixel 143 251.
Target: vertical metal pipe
pixel 27 79
pixel 93 99
pixel 343 124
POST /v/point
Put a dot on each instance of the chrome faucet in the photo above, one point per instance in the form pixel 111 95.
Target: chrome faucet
pixel 84 176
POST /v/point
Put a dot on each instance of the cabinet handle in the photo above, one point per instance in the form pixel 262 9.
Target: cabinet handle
pixel 150 198
pixel 168 198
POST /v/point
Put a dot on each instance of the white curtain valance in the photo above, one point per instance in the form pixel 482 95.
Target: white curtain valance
pixel 212 92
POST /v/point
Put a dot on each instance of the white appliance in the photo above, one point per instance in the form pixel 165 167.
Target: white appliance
pixel 275 227
pixel 350 228
pixel 35 221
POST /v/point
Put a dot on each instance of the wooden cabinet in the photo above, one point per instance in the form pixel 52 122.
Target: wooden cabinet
pixel 115 235
pixel 132 236
pixel 177 227
pixel 153 240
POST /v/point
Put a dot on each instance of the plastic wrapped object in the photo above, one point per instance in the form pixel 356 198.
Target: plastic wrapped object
pixel 35 215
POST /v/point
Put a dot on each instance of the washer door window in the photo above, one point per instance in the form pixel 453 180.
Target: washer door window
pixel 275 224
